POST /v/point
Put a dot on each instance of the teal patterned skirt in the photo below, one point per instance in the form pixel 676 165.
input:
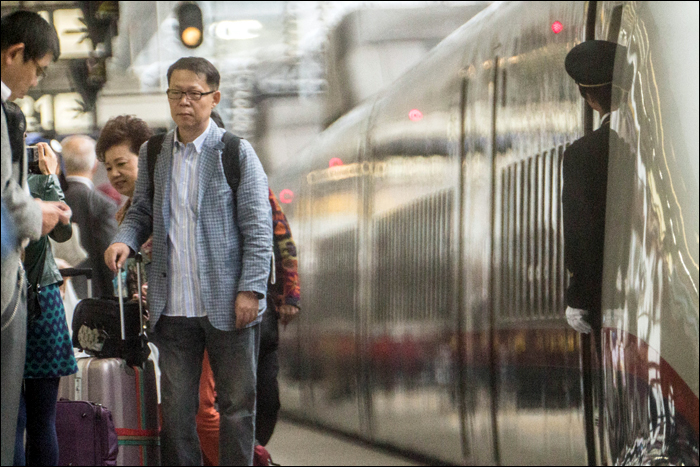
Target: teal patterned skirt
pixel 49 348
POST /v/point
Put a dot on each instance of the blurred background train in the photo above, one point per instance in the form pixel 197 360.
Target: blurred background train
pixel 429 229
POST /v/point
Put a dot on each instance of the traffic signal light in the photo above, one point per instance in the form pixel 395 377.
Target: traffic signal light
pixel 191 28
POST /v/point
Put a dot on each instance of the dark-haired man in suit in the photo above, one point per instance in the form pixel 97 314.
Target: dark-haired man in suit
pixel 28 45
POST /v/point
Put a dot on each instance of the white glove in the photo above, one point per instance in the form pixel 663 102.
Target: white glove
pixel 578 319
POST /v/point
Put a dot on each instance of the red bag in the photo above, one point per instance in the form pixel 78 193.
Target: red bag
pixel 261 456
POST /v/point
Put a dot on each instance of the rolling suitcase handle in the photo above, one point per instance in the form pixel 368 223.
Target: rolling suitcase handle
pixel 74 272
pixel 139 260
pixel 121 303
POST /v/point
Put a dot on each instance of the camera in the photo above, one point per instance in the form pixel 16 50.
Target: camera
pixel 33 160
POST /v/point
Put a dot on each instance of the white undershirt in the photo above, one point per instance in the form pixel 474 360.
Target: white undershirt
pixel 6 92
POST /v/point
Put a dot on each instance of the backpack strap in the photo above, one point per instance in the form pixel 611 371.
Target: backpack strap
pixel 230 159
pixel 155 144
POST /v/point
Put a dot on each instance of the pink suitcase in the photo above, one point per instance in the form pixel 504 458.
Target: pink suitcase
pixel 130 393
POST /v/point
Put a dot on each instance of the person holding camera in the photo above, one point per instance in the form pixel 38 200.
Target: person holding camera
pixel 29 44
pixel 49 353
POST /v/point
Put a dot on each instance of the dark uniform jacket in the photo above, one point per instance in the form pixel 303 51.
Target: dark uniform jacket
pixel 94 213
pixel 583 203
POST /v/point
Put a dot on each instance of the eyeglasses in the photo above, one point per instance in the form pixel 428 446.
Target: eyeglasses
pixel 40 71
pixel 175 95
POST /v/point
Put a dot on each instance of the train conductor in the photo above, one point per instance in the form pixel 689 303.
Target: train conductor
pixel 585 173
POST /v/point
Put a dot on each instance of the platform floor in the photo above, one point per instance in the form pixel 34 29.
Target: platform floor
pixel 294 444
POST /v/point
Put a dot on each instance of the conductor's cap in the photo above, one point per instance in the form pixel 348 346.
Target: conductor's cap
pixel 591 63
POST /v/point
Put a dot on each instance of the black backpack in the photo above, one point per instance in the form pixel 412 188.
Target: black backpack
pixel 229 159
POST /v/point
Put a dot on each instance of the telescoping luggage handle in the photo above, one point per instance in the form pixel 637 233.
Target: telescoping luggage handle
pixel 139 260
pixel 74 272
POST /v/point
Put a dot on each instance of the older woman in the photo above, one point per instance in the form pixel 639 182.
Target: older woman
pixel 118 149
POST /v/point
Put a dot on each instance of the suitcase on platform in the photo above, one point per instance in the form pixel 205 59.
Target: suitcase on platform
pixel 129 392
pixel 86 434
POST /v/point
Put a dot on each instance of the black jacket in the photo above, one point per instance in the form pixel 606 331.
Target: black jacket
pixel 94 213
pixel 585 174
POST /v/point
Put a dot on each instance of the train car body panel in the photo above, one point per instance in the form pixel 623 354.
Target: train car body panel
pixel 536 111
pixel 413 156
pixel 432 258
pixel 320 374
pixel 650 293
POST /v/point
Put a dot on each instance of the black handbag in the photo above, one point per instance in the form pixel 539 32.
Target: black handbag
pixel 97 330
pixel 97 326
pixel 33 305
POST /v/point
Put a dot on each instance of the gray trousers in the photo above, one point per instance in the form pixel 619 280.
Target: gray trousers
pixel 14 346
pixel 233 356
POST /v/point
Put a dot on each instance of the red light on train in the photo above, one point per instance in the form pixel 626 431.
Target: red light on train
pixel 286 196
pixel 557 27
pixel 415 115
pixel 336 161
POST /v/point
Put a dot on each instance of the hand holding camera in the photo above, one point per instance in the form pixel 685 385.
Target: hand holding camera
pixel 42 160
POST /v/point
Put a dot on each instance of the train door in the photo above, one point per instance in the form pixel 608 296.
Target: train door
pixel 331 340
pixel 603 21
pixel 412 175
pixel 535 111
pixel 472 297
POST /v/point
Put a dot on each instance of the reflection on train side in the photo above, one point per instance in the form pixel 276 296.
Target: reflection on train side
pixel 432 260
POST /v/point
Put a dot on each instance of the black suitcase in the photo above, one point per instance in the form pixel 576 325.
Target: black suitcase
pixel 99 330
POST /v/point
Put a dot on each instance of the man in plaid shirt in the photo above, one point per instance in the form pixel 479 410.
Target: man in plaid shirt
pixel 210 264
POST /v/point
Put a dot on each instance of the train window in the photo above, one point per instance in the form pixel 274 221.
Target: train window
pixel 532 262
pixel 411 243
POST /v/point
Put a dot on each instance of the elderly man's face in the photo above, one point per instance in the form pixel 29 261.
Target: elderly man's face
pixel 187 113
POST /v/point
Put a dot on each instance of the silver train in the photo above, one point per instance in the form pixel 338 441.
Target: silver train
pixel 431 260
